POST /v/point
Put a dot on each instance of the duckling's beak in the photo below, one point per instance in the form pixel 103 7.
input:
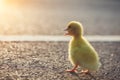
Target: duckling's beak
pixel 66 31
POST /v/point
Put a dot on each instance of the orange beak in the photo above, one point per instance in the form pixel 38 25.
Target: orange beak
pixel 66 31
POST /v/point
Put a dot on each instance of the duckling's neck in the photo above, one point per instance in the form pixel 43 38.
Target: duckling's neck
pixel 76 41
pixel 77 37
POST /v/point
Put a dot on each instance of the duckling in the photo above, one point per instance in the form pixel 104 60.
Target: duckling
pixel 80 51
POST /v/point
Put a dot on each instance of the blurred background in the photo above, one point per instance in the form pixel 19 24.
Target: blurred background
pixel 50 17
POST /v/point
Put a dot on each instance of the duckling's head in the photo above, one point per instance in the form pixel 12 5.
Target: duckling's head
pixel 74 29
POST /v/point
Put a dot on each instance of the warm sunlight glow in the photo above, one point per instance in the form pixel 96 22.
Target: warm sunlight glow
pixel 2 4
pixel 14 16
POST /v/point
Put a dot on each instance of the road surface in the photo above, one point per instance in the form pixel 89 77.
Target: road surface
pixel 41 60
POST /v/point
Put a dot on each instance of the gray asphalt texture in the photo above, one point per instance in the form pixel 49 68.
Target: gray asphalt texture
pixel 49 60
pixel 50 17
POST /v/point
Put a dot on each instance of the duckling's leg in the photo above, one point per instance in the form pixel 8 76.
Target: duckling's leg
pixel 72 70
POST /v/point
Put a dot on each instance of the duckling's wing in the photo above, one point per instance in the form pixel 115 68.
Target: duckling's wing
pixel 88 57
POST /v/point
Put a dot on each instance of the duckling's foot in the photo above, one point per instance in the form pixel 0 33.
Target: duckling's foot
pixel 85 71
pixel 72 70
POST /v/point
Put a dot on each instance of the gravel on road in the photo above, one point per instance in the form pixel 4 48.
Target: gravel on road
pixel 40 60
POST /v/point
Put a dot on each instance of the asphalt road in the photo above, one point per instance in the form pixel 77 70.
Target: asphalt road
pixel 48 61
pixel 44 17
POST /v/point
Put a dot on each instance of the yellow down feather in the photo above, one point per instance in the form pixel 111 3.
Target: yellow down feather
pixel 80 50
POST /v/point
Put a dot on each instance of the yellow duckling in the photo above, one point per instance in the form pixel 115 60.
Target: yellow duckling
pixel 81 52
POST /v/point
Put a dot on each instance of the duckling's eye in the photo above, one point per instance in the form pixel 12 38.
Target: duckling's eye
pixel 69 26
